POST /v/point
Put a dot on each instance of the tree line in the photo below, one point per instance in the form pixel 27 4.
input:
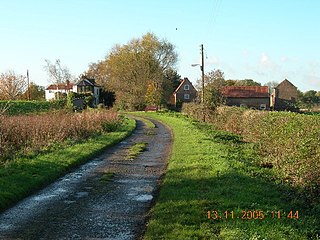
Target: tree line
pixel 139 73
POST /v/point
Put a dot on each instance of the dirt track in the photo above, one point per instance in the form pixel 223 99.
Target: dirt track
pixel 90 204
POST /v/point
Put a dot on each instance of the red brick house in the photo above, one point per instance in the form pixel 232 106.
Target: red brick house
pixel 256 97
pixel 283 96
pixel 185 92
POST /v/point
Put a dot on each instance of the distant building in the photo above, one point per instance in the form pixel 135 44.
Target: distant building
pixel 185 92
pixel 55 91
pixel 88 85
pixel 284 96
pixel 256 97
pixel 84 85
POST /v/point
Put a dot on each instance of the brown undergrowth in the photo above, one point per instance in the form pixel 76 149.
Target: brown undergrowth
pixel 27 134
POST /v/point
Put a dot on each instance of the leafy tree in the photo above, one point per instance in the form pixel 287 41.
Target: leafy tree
pixel 308 99
pixel 98 72
pixel 213 82
pixel 107 98
pixel 58 73
pixel 12 85
pixel 213 85
pixel 171 82
pixel 152 95
pixel 129 69
pixel 230 82
pixel 36 92
pixel 247 82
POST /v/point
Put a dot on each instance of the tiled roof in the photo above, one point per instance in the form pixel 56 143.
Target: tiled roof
pixel 182 81
pixel 245 92
pixel 60 86
pixel 284 82
pixel 180 85
pixel 86 82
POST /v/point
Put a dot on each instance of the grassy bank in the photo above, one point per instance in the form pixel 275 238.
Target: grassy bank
pixel 214 171
pixel 23 176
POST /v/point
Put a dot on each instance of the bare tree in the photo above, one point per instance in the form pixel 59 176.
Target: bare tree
pixel 57 72
pixel 12 85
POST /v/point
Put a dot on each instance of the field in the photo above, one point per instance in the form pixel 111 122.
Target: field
pixel 37 149
pixel 215 188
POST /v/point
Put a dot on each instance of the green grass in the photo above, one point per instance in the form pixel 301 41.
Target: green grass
pixel 23 176
pixel 146 121
pixel 107 176
pixel 216 171
pixel 136 149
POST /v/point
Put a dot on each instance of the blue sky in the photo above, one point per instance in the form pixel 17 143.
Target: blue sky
pixel 262 40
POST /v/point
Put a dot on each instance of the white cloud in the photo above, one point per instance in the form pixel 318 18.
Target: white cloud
pixel 264 59
pixel 312 76
pixel 212 60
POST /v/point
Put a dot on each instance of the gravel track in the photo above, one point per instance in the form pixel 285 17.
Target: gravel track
pixel 107 198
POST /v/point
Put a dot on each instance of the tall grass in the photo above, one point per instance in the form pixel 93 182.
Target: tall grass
pixel 289 142
pixel 25 134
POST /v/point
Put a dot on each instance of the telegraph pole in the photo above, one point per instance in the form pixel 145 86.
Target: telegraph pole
pixel 202 76
pixel 202 70
pixel 28 85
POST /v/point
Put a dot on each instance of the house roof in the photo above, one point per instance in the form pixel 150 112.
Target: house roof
pixel 286 81
pixel 245 92
pixel 60 86
pixel 182 83
pixel 86 82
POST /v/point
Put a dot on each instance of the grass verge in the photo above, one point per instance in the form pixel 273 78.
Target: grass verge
pixel 136 150
pixel 107 176
pixel 23 176
pixel 214 172
pixel 146 121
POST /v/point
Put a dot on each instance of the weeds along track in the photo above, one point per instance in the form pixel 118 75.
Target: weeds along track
pixel 25 134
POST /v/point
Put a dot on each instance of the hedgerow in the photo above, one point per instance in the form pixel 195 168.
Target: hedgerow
pixel 25 107
pixel 288 142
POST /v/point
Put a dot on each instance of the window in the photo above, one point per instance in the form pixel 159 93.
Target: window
pixel 186 96
pixel 186 87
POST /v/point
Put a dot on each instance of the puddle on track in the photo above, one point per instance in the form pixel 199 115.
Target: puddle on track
pixel 143 198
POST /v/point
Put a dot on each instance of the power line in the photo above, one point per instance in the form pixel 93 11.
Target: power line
pixel 213 16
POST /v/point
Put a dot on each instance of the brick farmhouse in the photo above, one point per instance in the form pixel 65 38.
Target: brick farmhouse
pixel 185 92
